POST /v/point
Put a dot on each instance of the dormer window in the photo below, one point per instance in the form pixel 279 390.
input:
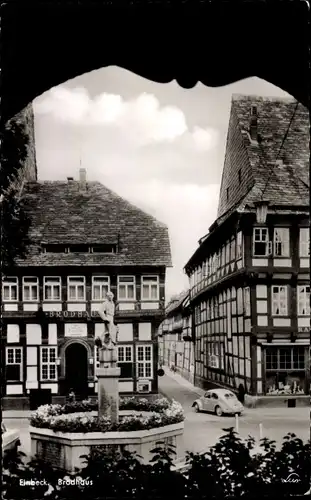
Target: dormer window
pixel 79 249
pixel 55 248
pixel 106 248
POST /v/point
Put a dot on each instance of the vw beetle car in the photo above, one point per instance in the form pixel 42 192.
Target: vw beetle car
pixel 10 438
pixel 219 401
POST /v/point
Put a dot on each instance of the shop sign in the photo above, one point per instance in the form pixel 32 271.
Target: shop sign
pixel 303 329
pixel 75 330
pixel 71 314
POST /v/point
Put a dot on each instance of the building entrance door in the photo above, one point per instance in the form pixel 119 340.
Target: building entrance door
pixel 76 375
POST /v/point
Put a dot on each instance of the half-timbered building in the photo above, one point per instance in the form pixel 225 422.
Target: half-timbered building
pixel 85 240
pixel 250 275
pixel 176 348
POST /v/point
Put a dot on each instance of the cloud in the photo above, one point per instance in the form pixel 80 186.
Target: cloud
pixel 141 120
pixel 186 209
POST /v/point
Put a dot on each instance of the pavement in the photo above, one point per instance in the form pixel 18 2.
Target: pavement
pixel 203 430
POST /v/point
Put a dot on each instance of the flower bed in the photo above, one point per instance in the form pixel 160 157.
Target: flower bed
pixel 73 417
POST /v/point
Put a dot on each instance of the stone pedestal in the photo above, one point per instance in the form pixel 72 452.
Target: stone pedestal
pixel 108 385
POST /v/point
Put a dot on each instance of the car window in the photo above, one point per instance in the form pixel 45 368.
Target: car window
pixel 207 395
pixel 3 429
pixel 214 395
pixel 229 395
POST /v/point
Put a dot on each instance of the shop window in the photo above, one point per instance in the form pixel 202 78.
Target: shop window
pixel 285 370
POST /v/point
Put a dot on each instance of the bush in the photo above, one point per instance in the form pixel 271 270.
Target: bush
pixel 228 470
pixel 74 417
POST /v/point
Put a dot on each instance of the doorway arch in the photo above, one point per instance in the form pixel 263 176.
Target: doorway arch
pixel 76 369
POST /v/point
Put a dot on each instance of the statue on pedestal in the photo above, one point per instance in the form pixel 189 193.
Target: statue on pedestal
pixel 107 341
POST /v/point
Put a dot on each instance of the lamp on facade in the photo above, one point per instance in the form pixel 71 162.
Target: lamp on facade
pixel 91 361
pixel 261 211
pixel 58 361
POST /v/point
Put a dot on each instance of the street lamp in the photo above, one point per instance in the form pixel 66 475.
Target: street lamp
pixel 261 211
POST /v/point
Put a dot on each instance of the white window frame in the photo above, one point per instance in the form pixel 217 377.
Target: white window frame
pixel 7 362
pixel 247 301
pixel 213 357
pixel 46 283
pixel 281 237
pixel 303 300
pixel 145 277
pixel 105 282
pixel 304 242
pixel 34 284
pixel 239 245
pixel 126 283
pixel 277 302
pixel 144 362
pixel 10 282
pixel 48 363
pixel 82 278
pixel 124 348
pixel 262 240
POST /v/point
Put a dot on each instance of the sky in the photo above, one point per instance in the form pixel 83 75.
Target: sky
pixel 158 145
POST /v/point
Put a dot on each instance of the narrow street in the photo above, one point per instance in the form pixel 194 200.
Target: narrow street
pixel 203 429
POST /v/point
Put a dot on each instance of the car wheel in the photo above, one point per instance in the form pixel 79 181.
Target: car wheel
pixel 196 408
pixel 218 411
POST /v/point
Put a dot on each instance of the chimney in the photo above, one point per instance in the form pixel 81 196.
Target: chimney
pixel 253 124
pixel 82 178
pixel 69 179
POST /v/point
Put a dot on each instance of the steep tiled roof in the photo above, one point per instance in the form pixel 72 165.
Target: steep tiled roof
pixel 285 183
pixel 176 302
pixel 65 213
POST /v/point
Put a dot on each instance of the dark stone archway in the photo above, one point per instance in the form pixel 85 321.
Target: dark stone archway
pixel 215 42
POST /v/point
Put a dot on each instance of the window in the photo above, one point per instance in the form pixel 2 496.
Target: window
pixel 150 287
pixel 285 358
pixel 14 360
pixel 30 289
pixel 239 245
pixel 227 194
pixel 10 289
pixel 48 363
pixel 79 249
pixel 281 242
pixel 303 300
pixel 100 287
pixel 144 361
pixel 261 244
pixel 240 305
pixel 247 302
pixel 279 301
pixel 125 361
pixel 304 242
pixel 104 248
pixel 55 249
pixel 52 288
pixel 126 288
pixel 213 355
pixel 76 288
pixel 232 250
pixel 227 252
pixel 240 175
